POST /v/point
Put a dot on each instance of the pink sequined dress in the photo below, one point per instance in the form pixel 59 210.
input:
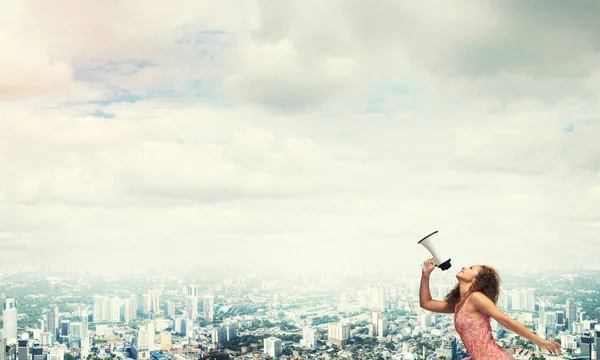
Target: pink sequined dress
pixel 476 335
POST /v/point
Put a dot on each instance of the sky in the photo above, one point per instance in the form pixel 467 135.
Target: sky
pixel 299 135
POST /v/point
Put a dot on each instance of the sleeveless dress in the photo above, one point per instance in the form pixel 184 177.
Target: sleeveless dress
pixel 476 335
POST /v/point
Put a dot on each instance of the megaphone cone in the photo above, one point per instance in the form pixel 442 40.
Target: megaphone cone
pixel 441 261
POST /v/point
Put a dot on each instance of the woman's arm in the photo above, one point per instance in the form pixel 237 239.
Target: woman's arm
pixel 486 306
pixel 425 300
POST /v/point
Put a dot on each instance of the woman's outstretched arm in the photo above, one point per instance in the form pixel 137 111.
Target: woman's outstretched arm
pixel 486 306
pixel 425 300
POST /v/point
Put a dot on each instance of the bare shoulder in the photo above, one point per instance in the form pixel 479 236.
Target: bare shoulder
pixel 479 298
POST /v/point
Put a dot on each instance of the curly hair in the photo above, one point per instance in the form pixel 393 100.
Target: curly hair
pixel 487 282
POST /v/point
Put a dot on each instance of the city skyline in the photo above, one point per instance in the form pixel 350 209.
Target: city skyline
pixel 299 135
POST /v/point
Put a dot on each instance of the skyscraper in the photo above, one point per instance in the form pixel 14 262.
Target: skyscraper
pixel 23 348
pixel 309 338
pixel 98 310
pixel 2 348
pixel 338 334
pixel 52 316
pixel 272 346
pixel 209 308
pixel 586 344
pixel 571 312
pixel 84 323
pixel 449 347
pixel 170 308
pixel 65 331
pixel 192 307
pixel 193 290
pixel 10 321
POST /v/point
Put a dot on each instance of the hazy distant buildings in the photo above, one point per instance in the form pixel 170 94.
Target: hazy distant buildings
pixel 522 299
pixel 9 316
pixel 113 309
pixel 378 298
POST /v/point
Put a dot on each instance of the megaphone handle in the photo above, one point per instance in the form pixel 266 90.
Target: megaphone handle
pixel 424 267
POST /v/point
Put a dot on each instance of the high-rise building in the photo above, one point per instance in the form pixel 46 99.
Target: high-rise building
pixel 98 309
pixel 171 308
pixel 129 309
pixel 273 347
pixel 231 331
pixel 378 301
pixel 571 312
pixel 597 344
pixel 9 316
pixel 522 299
pixel 219 335
pixel 84 323
pixel 504 300
pixel 192 307
pixel 23 348
pixel 76 330
pixel 448 349
pixel 378 325
pixel 52 318
pixel 150 302
pixel 56 353
pixel 113 309
pixel 178 325
pixel 309 337
pixel 338 334
pixel 46 339
pixel 166 340
pixel 37 352
pixel 193 290
pixel 209 308
pixel 2 347
pixel 187 328
pixel 586 345
pixel 65 331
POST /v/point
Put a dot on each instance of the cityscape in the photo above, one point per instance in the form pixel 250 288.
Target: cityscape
pixel 227 315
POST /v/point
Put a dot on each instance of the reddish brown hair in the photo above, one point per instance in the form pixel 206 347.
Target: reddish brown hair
pixel 487 282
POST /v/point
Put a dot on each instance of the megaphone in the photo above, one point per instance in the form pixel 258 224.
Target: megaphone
pixel 441 261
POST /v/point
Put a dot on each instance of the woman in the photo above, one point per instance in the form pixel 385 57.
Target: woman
pixel 473 302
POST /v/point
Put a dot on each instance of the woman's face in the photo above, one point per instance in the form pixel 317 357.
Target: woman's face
pixel 468 274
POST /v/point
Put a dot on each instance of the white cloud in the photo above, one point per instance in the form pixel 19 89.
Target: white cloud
pixel 227 131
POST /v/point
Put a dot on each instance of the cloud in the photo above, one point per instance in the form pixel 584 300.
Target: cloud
pixel 300 130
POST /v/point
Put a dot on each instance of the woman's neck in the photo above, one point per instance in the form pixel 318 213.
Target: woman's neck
pixel 464 288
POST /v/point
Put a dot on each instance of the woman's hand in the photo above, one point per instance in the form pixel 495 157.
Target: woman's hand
pixel 552 346
pixel 428 267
